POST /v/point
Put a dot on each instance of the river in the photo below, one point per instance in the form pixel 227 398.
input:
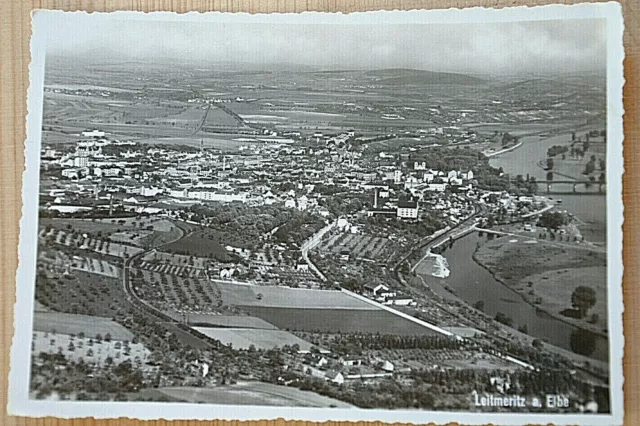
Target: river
pixel 472 283
pixel 591 209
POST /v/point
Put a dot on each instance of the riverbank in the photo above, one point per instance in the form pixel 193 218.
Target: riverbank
pixel 547 281
pixel 502 151
pixel 437 291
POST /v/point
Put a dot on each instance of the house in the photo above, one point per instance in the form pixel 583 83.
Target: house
pixel 407 209
pixel 436 187
pixel 379 290
pixel 81 162
pixel 344 255
pixel 111 171
pixel 387 366
pixel 334 376
pixel 501 384
pixel 75 173
pixel 350 361
pixel 419 166
pixel 411 182
pixel 93 133
pixel 397 177
pixel 303 202
pixel 322 362
pixel 376 212
pixel 290 204
pixel 399 300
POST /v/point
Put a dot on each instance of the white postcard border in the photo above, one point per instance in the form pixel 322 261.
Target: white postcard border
pixel 44 21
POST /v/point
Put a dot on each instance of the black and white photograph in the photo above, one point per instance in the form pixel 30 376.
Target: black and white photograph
pixel 397 216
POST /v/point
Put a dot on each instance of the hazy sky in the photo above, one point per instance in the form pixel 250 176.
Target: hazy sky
pixel 512 48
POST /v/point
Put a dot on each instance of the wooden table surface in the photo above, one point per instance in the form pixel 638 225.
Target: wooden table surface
pixel 14 79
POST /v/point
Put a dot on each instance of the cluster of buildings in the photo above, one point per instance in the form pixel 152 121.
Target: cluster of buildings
pixel 295 176
pixel 383 294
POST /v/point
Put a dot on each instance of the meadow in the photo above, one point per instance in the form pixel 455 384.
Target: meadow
pixel 287 297
pixel 73 324
pixel 244 338
pixel 252 393
pixel 342 321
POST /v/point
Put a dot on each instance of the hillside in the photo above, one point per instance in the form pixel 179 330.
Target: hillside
pixel 401 76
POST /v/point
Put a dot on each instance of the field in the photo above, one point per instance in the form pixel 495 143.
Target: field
pixel 360 246
pixel 555 288
pixel 332 321
pixel 160 258
pixel 201 243
pixel 164 268
pixel 171 292
pixel 98 245
pixel 91 349
pixel 243 338
pixel 286 297
pixel 233 321
pixel 56 322
pixel 81 293
pixel 549 275
pixel 143 232
pixel 421 359
pixel 253 393
pixel 61 262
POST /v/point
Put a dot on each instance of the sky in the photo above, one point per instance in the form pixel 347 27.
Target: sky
pixel 497 48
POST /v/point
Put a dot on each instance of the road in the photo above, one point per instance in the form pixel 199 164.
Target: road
pixel 204 119
pixel 132 297
pixel 310 244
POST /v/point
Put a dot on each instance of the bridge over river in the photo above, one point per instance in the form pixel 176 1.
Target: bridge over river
pixel 582 187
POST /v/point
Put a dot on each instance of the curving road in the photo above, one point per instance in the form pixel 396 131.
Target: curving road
pixel 132 297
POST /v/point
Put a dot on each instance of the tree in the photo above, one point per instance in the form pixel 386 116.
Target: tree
pixel 583 298
pixel 549 163
pixel 582 342
pixel 479 305
pixel 551 220
pixel 589 168
pixel 549 175
pixel 504 319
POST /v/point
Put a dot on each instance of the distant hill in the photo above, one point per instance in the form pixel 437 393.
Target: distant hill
pixel 402 76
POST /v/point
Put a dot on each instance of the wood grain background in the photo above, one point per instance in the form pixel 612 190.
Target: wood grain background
pixel 15 31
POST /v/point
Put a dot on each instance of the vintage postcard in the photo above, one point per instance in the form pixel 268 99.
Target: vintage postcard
pixel 404 216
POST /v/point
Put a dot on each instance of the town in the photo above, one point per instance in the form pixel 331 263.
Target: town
pixel 194 246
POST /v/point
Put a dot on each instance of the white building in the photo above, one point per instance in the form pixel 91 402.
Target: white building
pixel 407 209
pixel 303 203
pixel 420 166
pixel 81 161
pixel 411 182
pixel 217 196
pixel 397 177
pixel 75 173
pixel 93 134
pixel 436 187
